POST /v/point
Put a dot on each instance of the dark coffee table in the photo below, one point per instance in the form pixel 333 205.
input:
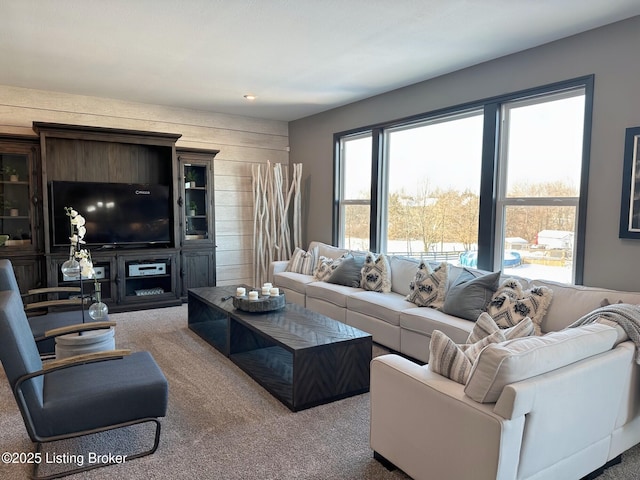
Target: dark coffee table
pixel 302 358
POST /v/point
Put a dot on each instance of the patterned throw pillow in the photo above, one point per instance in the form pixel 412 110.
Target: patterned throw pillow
pixel 376 274
pixel 455 361
pixel 485 326
pixel 428 287
pixel 326 267
pixel 303 262
pixel 511 304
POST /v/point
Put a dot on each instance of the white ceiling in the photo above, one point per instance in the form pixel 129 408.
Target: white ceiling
pixel 299 57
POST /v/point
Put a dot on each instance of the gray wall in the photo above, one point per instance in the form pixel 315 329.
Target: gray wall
pixel 611 53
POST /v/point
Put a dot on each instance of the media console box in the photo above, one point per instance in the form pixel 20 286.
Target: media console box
pixel 144 269
pixel 98 274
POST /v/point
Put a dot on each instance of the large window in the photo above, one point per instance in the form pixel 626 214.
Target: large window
pixel 433 190
pixel 539 188
pixel 498 184
pixel 355 191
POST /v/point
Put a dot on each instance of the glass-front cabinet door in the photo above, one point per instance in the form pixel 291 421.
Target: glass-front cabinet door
pixel 197 203
pixel 197 252
pixel 196 167
pixel 17 184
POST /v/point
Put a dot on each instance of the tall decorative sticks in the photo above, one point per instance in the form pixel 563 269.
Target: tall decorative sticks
pixel 271 232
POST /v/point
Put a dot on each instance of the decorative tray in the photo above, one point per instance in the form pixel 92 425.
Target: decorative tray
pixel 262 304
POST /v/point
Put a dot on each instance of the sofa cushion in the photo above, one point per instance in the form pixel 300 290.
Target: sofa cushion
pixel 570 302
pixel 302 261
pixel 403 271
pixel 383 306
pixel 376 273
pixel 425 320
pixel 330 292
pixel 427 288
pixel 470 295
pixel 292 281
pixel 502 364
pixel 326 250
pixel 511 304
pixel 486 325
pixel 348 271
pixel 455 361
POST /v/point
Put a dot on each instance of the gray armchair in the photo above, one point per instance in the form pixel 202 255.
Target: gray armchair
pixel 41 324
pixel 80 395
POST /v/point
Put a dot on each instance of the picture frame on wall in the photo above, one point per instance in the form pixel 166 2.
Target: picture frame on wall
pixel 630 203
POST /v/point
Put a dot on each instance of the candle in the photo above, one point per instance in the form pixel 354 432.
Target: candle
pixel 253 295
pixel 241 292
pixel 268 285
pixel 265 290
pixel 275 291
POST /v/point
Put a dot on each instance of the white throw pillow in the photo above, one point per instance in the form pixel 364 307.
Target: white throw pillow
pixel 326 267
pixel 511 304
pixel 499 365
pixel 428 287
pixel 455 361
pixel 376 273
pixel 302 261
pixel 485 326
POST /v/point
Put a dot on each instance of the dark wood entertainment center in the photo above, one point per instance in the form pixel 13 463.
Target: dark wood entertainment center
pixel 63 152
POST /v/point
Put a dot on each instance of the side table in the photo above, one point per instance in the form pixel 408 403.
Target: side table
pixel 89 342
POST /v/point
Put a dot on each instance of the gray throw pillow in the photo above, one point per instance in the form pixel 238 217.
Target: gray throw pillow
pixel 348 272
pixel 469 296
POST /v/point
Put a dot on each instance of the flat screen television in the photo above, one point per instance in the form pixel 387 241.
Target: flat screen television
pixel 116 214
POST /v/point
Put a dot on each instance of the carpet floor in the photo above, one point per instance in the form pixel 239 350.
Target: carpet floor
pixel 220 423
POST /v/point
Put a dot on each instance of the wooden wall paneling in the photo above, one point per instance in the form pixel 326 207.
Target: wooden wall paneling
pixel 242 141
pixel 231 197
pixel 235 213
pixel 233 243
pixel 240 155
pixel 238 227
pixel 25 98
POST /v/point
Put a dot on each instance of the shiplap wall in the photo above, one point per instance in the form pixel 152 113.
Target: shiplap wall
pixel 242 141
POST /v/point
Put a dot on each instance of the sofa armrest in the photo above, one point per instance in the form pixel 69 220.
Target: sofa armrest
pixel 277 267
pixel 424 424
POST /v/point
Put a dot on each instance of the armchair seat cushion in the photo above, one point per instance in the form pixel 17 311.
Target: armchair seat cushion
pixel 92 396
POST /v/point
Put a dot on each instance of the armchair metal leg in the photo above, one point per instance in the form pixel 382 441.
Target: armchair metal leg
pixel 86 467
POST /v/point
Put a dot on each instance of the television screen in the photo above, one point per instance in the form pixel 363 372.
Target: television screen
pixel 115 213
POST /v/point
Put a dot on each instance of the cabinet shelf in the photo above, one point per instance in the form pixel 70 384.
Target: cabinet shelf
pixel 19 182
pixel 142 277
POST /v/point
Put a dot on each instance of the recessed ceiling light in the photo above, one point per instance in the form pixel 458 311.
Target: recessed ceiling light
pixel 250 97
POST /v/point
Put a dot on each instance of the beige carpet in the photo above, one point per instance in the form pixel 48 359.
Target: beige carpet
pixel 221 424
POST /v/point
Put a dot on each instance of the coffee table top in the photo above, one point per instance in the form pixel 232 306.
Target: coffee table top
pixel 294 327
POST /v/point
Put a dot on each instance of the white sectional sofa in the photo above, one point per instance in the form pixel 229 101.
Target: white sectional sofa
pixel 569 402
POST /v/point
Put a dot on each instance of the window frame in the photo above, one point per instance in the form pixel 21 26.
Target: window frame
pixel 503 201
pixel 489 182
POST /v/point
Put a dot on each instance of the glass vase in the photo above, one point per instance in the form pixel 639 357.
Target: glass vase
pixel 98 310
pixel 70 269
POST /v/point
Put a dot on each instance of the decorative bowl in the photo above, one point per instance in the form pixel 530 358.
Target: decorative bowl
pixel 263 304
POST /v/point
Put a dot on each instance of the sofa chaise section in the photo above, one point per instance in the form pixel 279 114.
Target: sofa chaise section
pixel 558 424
